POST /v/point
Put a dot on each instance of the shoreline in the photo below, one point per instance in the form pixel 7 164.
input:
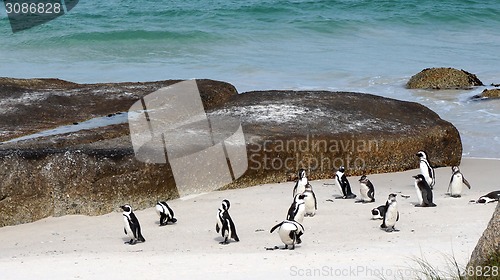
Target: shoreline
pixel 341 237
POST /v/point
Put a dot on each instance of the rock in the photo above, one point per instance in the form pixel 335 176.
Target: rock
pixel 93 171
pixel 320 131
pixel 489 243
pixel 487 94
pixel 443 78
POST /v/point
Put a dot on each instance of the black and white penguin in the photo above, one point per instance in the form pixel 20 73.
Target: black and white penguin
pixel 343 184
pixel 378 213
pixel 488 198
pixel 366 190
pixel 297 210
pixel 424 192
pixel 300 185
pixel 289 232
pixel 165 212
pixel 457 182
pixel 225 224
pixel 426 169
pixel 132 227
pixel 391 215
pixel 311 204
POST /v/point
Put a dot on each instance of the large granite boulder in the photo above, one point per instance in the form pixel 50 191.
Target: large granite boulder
pixel 321 131
pixel 92 171
pixel 489 244
pixel 443 78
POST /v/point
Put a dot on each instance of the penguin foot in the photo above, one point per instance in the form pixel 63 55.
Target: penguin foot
pixel 173 220
pixel 131 242
pixel 350 196
pixel 299 240
pixel 223 243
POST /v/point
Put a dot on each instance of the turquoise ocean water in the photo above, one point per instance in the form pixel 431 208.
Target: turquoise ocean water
pixel 364 46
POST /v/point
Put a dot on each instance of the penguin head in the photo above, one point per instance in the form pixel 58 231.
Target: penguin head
pixel 301 174
pixel 342 169
pixel 309 187
pixel 419 178
pixel 363 179
pixel 392 197
pixel 225 205
pixel 455 169
pixel 375 212
pixel 126 208
pixel 422 155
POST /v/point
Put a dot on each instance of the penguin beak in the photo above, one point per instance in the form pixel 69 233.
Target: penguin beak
pixel 122 207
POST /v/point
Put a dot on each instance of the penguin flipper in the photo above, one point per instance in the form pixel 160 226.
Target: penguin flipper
pixel 276 226
pixel 397 218
pixel 217 228
pixel 466 182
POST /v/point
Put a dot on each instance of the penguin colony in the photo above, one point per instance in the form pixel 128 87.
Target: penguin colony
pixel 304 204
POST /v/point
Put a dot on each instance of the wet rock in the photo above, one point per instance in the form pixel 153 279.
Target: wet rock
pixel 443 78
pixel 93 171
pixel 489 243
pixel 487 94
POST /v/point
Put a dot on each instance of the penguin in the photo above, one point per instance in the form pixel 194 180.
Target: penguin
pixel 391 215
pixel 366 190
pixel 300 185
pixel 165 212
pixel 297 210
pixel 311 204
pixel 488 198
pixel 225 224
pixel 343 184
pixel 457 182
pixel 378 213
pixel 426 169
pixel 424 192
pixel 290 233
pixel 132 227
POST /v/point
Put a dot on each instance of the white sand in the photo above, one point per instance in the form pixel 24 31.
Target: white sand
pixel 340 240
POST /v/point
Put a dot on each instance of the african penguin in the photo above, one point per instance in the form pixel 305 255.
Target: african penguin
pixel 426 169
pixel 289 232
pixel 311 204
pixel 165 212
pixel 391 215
pixel 490 197
pixel 297 210
pixel 424 192
pixel 457 182
pixel 366 190
pixel 225 224
pixel 300 185
pixel 378 213
pixel 132 227
pixel 343 184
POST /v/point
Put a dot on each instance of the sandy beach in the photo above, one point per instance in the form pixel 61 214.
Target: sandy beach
pixel 340 242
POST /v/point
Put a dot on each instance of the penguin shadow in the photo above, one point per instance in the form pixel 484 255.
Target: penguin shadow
pixel 220 240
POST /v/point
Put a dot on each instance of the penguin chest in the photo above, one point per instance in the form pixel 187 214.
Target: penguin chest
pixel 419 194
pixel 391 215
pixel 456 185
pixel 300 213
pixel 159 210
pixel 363 190
pixel 310 204
pixel 301 186
pixel 128 229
